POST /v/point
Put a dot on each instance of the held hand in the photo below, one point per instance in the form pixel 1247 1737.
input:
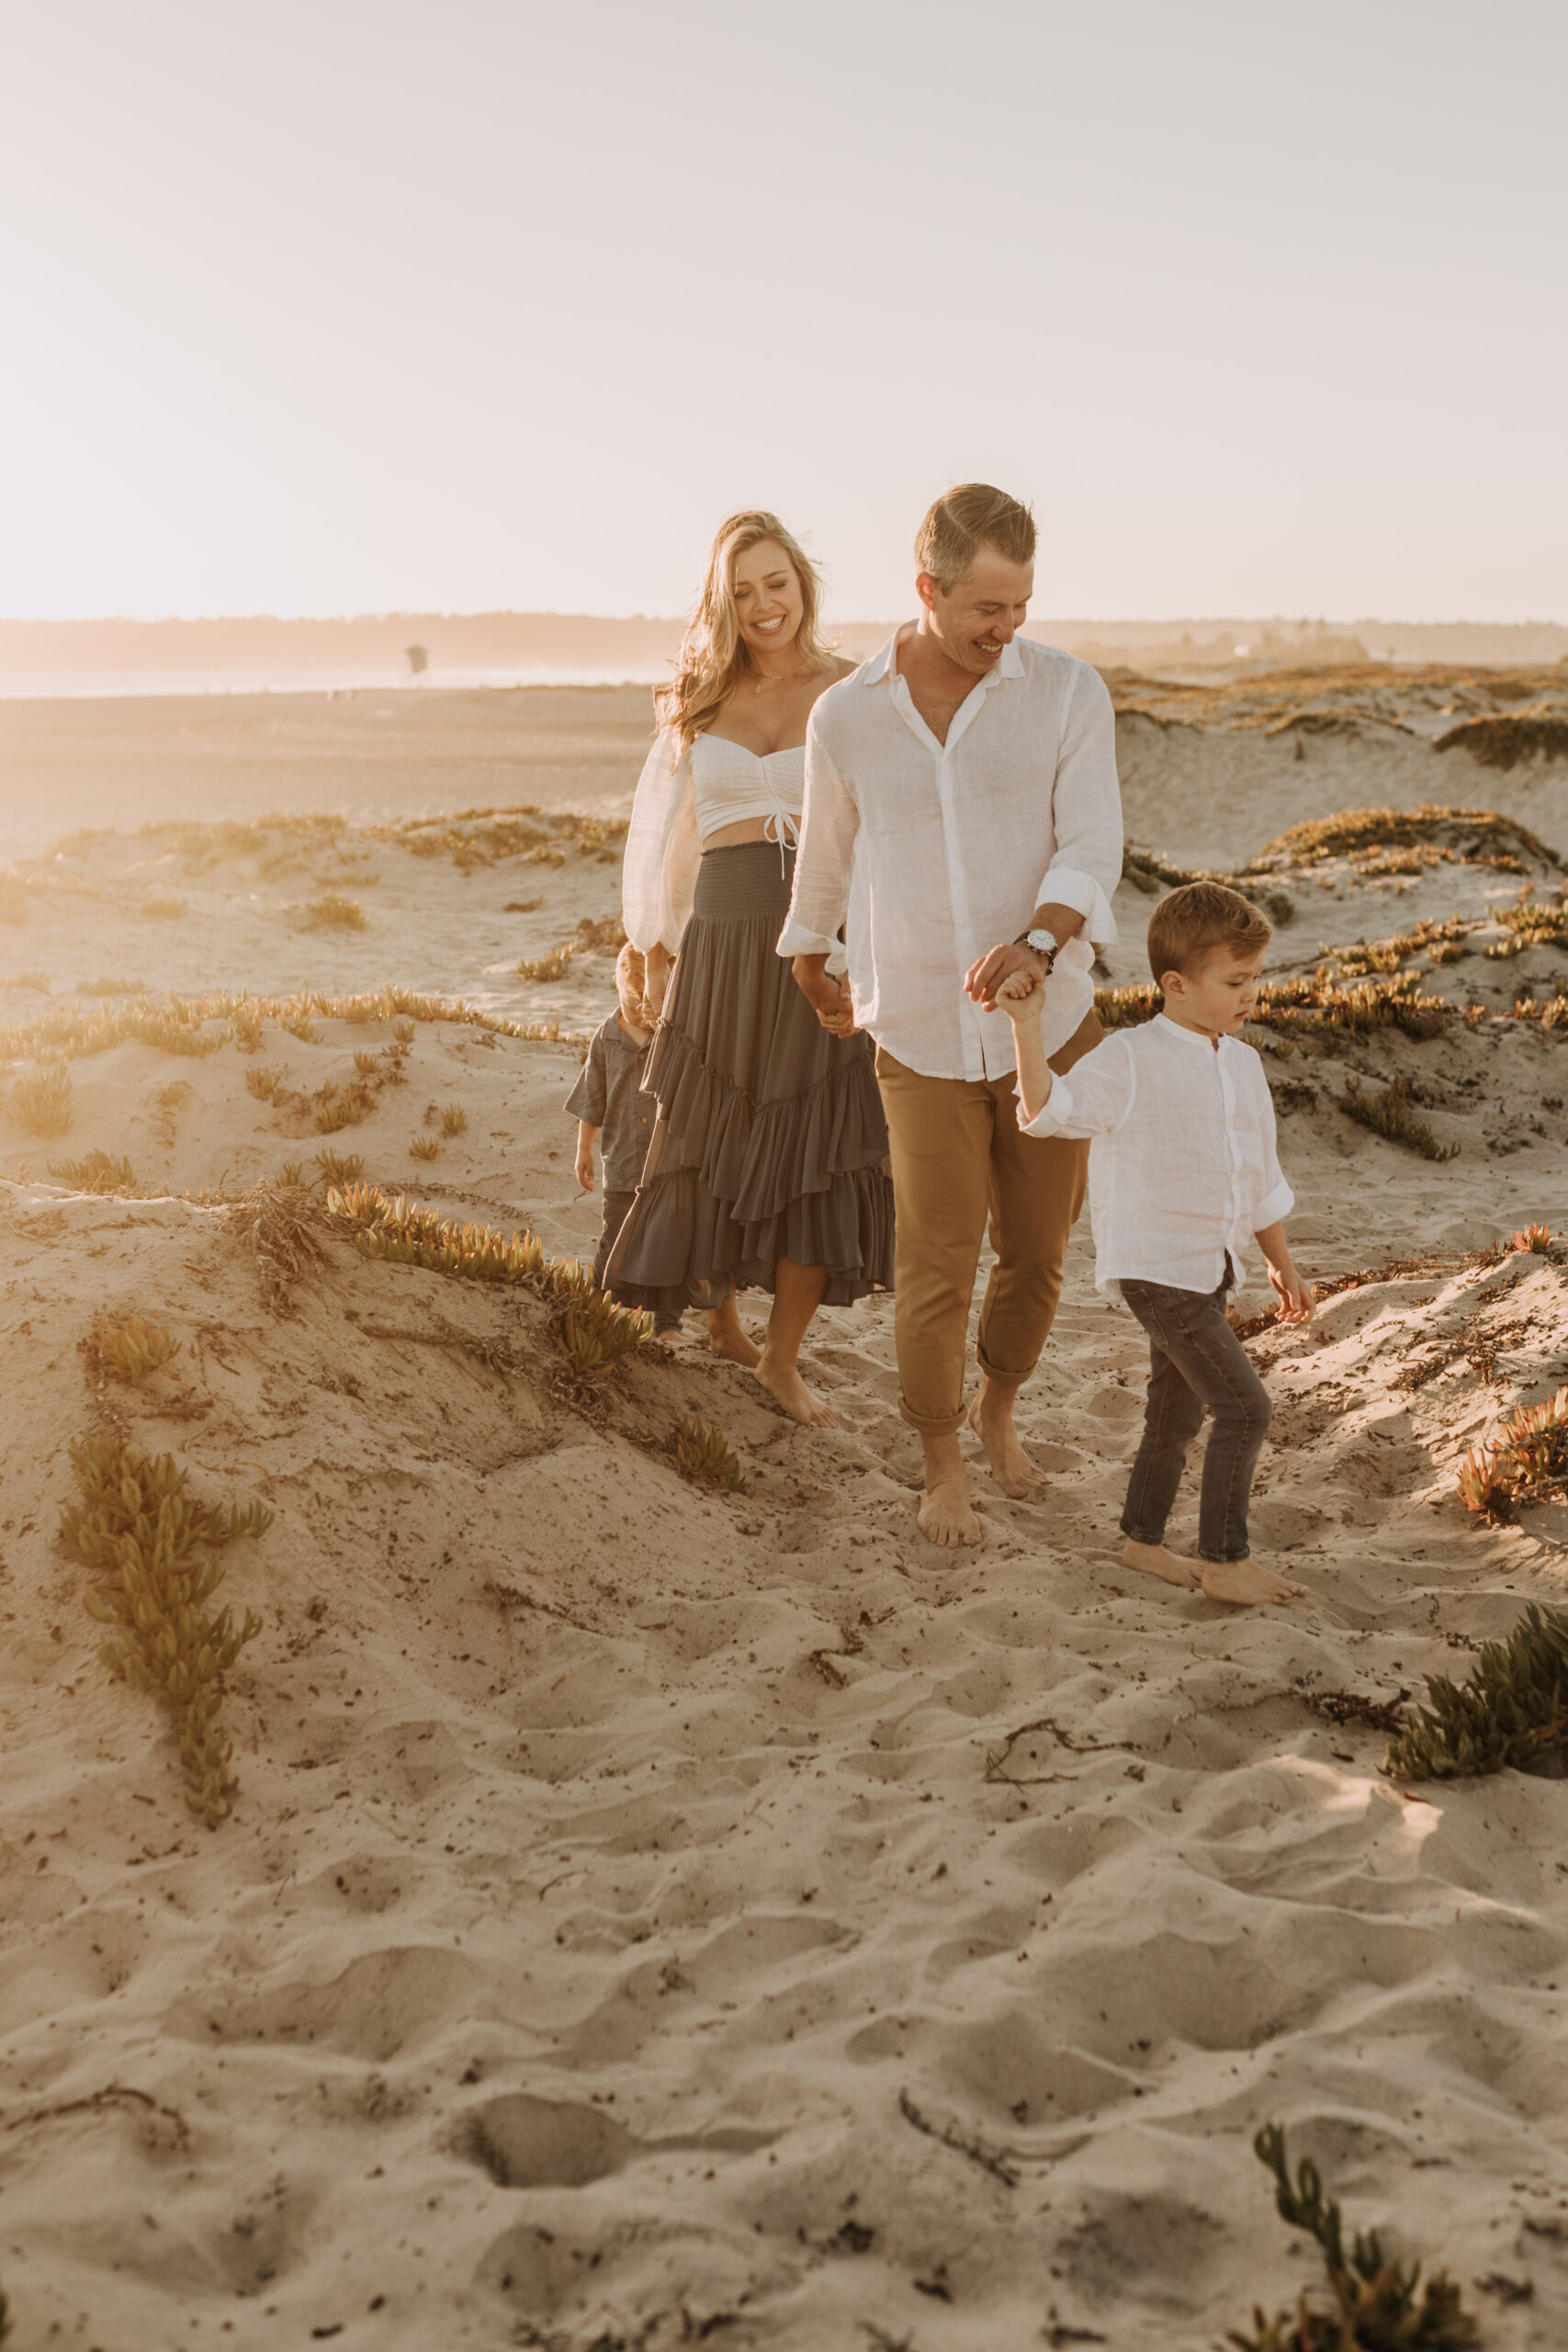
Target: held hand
pixel 585 1166
pixel 828 998
pixel 983 978
pixel 1019 991
pixel 1294 1295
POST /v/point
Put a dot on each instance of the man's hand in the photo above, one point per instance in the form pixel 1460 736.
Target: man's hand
pixel 1294 1294
pixel 828 998
pixel 984 978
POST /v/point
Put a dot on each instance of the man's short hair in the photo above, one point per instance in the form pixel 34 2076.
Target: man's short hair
pixel 972 515
pixel 1187 928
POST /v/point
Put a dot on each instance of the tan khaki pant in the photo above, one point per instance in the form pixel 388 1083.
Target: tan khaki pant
pixel 959 1155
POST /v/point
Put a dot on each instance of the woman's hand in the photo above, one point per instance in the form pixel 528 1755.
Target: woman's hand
pixel 828 998
pixel 657 964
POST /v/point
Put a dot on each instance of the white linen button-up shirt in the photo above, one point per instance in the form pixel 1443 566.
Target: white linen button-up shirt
pixel 932 853
pixel 1183 1168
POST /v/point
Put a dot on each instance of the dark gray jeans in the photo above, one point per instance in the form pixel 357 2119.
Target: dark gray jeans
pixel 1195 1361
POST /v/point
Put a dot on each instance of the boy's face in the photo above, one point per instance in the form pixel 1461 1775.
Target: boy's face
pixel 628 989
pixel 1219 995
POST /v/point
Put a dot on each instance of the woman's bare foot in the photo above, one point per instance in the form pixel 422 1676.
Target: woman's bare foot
pixel 727 1338
pixel 990 1418
pixel 1243 1582
pixel 786 1386
pixel 1156 1561
pixel 947 1516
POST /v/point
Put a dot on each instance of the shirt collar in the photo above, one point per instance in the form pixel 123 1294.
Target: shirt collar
pixel 884 665
pixel 1189 1038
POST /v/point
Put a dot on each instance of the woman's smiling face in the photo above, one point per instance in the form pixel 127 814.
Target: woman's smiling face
pixel 768 603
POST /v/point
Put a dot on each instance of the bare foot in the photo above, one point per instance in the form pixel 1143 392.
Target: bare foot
pixel 784 1385
pixel 726 1337
pixel 990 1418
pixel 1156 1561
pixel 1244 1582
pixel 947 1516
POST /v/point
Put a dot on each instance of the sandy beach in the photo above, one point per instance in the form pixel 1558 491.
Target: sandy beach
pixel 652 1916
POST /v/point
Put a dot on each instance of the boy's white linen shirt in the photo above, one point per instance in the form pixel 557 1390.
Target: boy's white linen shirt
pixel 1183 1164
pixel 938 852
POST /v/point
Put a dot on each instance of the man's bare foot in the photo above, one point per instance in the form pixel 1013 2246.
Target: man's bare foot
pixel 726 1337
pixel 784 1385
pixel 1156 1561
pixel 947 1516
pixel 990 1418
pixel 1243 1582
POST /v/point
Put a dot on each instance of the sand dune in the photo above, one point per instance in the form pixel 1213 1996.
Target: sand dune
pixel 652 1916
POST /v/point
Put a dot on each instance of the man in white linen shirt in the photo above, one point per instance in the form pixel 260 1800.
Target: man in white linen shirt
pixel 963 814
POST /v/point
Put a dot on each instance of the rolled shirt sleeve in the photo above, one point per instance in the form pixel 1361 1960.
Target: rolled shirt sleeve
pixel 824 861
pixel 1093 1101
pixel 1277 1199
pixel 1087 811
pixel 588 1096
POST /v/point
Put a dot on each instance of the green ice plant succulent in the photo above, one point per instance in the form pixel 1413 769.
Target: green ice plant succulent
pixel 1512 1710
pixel 137 1530
pixel 705 1455
pixel 1380 2305
pixel 133 1349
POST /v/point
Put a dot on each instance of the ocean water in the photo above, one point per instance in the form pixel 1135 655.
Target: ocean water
pixel 54 685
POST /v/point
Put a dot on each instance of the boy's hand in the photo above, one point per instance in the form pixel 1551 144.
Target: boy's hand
pixel 1294 1294
pixel 585 1165
pixel 1018 990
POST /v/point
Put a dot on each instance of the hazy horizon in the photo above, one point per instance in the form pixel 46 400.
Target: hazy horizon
pixel 359 310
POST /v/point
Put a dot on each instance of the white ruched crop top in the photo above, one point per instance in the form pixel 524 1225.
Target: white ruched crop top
pixel 730 784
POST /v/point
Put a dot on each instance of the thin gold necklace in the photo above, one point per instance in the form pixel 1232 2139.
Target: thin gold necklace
pixel 792 678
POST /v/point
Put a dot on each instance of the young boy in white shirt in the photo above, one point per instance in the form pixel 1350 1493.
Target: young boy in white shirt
pixel 1183 1168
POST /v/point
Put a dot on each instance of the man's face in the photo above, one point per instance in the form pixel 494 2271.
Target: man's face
pixel 975 620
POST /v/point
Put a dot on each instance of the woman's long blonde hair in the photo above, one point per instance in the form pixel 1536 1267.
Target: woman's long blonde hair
pixel 713 656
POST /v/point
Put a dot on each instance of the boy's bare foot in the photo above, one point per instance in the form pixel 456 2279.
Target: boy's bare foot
pixel 947 1516
pixel 786 1386
pixel 990 1418
pixel 1156 1561
pixel 726 1337
pixel 1243 1582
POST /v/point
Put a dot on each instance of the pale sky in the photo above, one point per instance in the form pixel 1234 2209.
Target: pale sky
pixel 324 306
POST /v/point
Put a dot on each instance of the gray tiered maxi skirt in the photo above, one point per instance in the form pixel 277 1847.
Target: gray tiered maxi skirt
pixel 770 1141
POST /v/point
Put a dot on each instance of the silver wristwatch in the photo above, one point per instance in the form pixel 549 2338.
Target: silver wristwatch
pixel 1044 945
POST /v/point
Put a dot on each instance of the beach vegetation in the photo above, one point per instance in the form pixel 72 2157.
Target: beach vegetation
pixel 552 966
pixel 1502 739
pixel 1530 1236
pixel 338 1107
pixel 425 1147
pixel 1388 1114
pixel 334 910
pixel 293 1174
pixel 1379 2303
pixel 138 1531
pixel 454 1119
pixel 477 837
pixel 38 982
pixel 96 1172
pixel 591 1331
pixel 281 1225
pixel 111 988
pixel 164 908
pixel 41 1100
pixel 1526 1461
pixel 132 1349
pixel 264 1084
pixel 1530 923
pixel 705 1455
pixel 1367 837
pixel 1511 1714
pixel 199 1025
pixel 1302 1007
pixel 345 1171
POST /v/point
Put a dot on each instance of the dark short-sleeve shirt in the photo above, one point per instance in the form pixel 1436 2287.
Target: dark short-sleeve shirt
pixel 608 1096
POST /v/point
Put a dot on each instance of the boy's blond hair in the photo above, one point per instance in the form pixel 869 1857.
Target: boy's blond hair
pixel 1188 927
pixel 631 967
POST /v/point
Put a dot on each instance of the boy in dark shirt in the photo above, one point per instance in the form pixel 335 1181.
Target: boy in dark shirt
pixel 608 1103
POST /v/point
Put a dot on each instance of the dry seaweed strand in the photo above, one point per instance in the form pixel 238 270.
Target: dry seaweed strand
pixel 1380 2304
pixel 280 1222
pixel 137 1528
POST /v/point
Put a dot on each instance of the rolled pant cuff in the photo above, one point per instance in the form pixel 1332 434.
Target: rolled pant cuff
pixel 933 1424
pixel 995 1371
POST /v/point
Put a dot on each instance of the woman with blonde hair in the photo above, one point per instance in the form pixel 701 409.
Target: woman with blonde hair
pixel 767 1164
